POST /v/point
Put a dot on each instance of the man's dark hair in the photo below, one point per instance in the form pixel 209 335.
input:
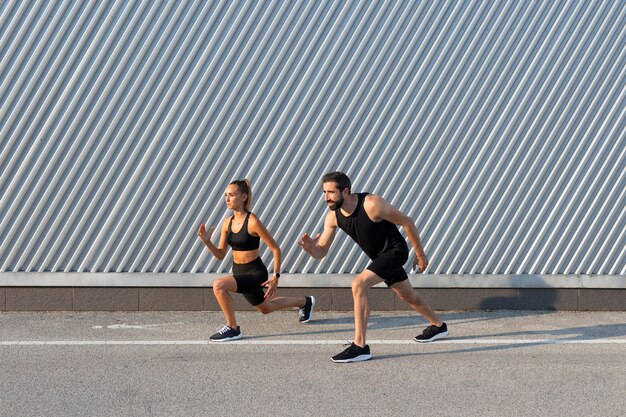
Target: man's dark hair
pixel 340 178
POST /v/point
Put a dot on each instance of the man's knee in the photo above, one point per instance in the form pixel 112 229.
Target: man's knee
pixel 408 295
pixel 360 285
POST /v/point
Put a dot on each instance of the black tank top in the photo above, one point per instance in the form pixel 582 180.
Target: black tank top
pixel 242 240
pixel 373 237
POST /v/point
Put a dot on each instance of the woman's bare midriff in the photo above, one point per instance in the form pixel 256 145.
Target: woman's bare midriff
pixel 245 256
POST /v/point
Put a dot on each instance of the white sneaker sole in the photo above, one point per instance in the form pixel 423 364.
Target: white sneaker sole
pixel 359 358
pixel 432 339
pixel 312 308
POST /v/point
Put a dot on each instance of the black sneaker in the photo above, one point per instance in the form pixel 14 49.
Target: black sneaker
pixel 306 312
pixel 432 333
pixel 353 353
pixel 225 334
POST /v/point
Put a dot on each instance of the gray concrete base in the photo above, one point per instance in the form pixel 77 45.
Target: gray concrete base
pixel 337 299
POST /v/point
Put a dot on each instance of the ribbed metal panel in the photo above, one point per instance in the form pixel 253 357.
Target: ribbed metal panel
pixel 498 126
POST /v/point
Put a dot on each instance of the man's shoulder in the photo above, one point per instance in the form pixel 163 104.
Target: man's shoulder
pixel 373 200
pixel 375 206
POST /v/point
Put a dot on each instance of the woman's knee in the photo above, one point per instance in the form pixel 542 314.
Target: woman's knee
pixel 264 308
pixel 220 286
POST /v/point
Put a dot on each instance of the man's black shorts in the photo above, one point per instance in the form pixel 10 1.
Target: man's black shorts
pixel 389 265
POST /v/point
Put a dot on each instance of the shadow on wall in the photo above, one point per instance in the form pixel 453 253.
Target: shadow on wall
pixel 523 299
pixel 528 292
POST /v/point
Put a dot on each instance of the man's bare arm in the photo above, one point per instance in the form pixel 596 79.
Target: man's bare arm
pixel 318 246
pixel 379 209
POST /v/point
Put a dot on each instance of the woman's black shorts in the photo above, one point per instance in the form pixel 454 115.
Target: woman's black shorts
pixel 249 278
pixel 389 265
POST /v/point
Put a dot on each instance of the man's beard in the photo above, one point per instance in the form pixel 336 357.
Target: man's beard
pixel 334 206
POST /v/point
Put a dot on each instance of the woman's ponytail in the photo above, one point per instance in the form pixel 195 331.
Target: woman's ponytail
pixel 248 204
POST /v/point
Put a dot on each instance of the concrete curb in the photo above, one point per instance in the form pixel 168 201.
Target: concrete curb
pixel 190 280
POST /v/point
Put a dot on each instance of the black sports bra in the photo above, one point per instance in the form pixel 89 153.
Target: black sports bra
pixel 242 240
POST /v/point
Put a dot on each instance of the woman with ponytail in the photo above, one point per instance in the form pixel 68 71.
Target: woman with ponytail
pixel 243 232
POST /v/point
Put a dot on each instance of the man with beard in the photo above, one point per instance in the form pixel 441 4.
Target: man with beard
pixel 371 222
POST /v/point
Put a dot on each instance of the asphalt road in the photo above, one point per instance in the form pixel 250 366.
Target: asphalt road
pixel 160 364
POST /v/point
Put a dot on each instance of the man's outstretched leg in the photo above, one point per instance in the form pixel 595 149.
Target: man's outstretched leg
pixel 437 328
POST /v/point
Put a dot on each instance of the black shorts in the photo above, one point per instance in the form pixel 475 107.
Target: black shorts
pixel 389 265
pixel 249 278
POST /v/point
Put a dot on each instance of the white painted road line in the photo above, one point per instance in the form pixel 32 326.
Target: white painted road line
pixel 312 342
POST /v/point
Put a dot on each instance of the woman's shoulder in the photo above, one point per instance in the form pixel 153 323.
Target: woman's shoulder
pixel 253 218
pixel 226 222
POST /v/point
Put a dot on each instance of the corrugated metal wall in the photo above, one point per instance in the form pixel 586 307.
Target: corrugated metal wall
pixel 498 126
